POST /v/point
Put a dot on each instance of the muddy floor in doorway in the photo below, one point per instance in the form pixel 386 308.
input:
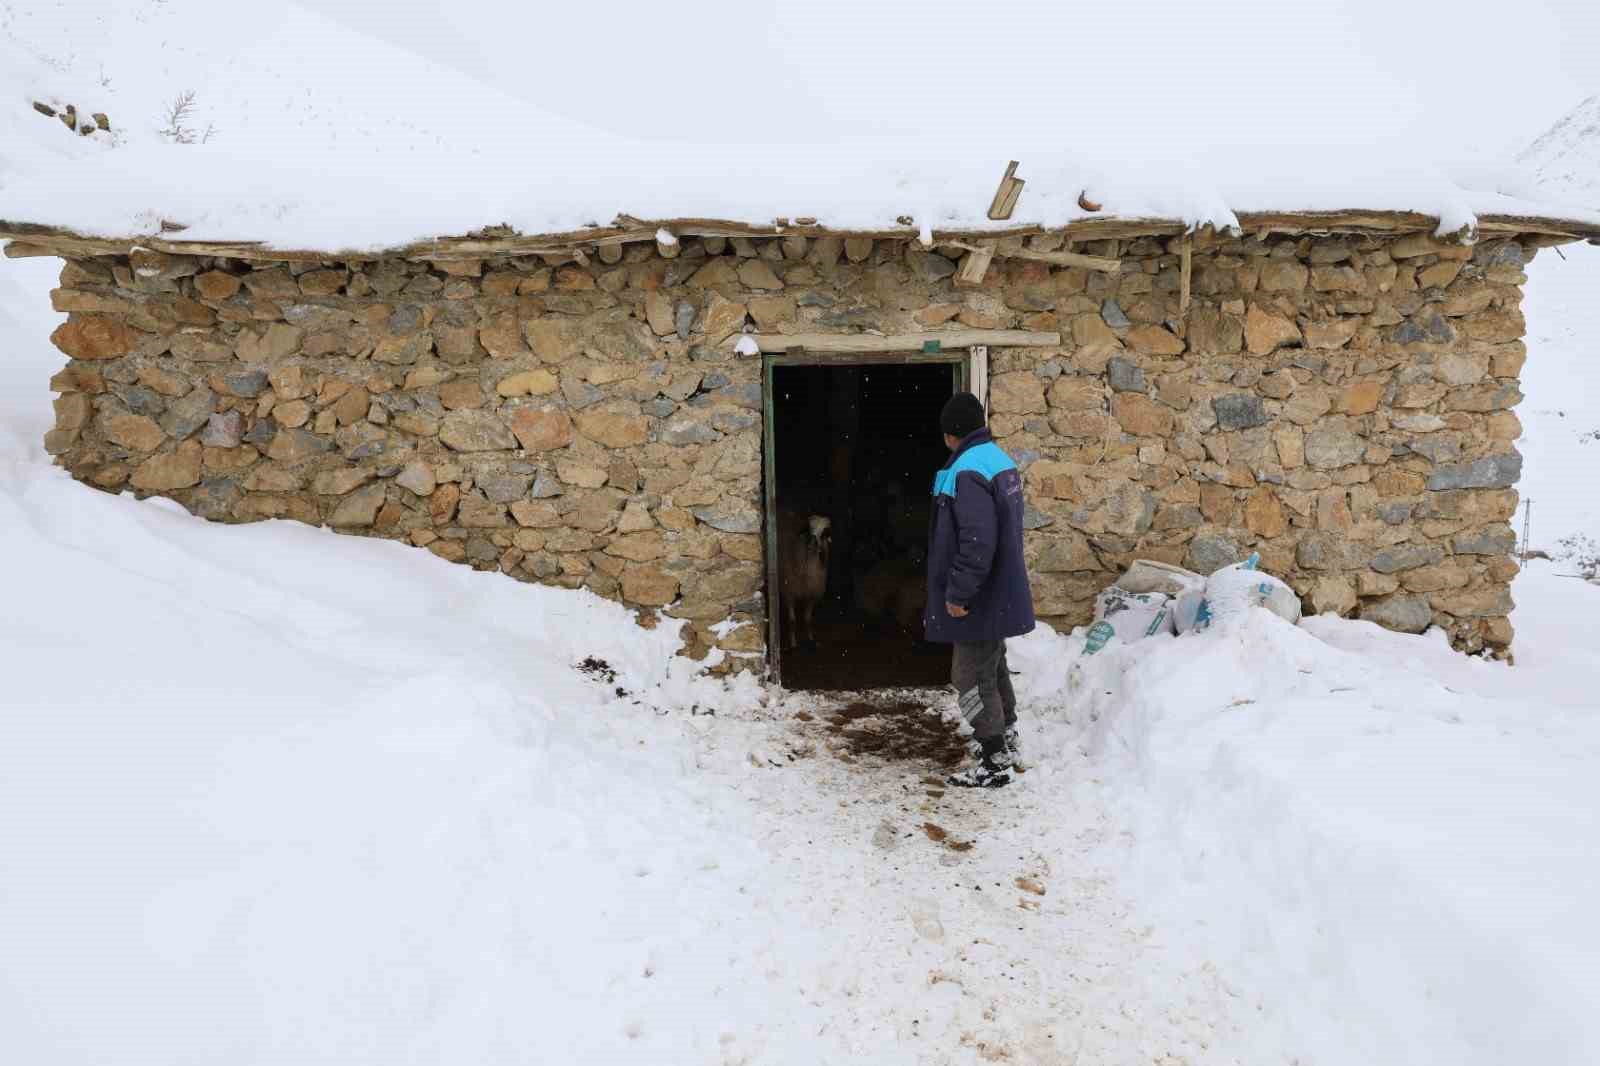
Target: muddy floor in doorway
pixel 913 729
pixel 896 729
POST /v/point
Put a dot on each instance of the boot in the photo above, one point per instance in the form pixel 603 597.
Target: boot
pixel 991 770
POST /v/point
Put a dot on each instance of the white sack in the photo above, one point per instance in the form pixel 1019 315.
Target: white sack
pixel 1128 617
pixel 1148 575
pixel 1234 589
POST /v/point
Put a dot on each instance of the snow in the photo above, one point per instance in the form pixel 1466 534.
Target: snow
pixel 1400 831
pixel 269 794
pixel 315 149
pixel 1564 161
pixel 1561 415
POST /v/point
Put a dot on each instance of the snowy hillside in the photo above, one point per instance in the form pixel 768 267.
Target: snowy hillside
pixel 326 138
pixel 1565 159
pixel 1561 414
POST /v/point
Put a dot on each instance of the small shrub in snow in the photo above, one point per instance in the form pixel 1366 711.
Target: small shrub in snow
pixel 1583 551
pixel 179 115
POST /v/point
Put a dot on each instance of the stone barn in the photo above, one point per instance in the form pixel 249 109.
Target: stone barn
pixel 631 409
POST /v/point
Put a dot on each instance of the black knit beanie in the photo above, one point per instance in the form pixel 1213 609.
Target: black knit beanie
pixel 961 415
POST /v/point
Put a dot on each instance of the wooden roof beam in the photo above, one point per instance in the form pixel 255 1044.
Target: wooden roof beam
pixel 1014 250
pixel 905 342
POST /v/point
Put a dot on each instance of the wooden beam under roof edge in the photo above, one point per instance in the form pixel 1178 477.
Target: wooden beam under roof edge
pixel 58 241
pixel 905 342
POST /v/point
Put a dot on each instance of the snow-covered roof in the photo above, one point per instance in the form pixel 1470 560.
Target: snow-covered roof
pixel 328 142
pixel 935 201
pixel 583 186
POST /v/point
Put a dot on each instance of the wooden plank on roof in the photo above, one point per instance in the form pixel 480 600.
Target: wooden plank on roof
pixel 1005 197
pixel 906 342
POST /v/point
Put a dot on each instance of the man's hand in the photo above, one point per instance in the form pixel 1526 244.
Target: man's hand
pixel 955 610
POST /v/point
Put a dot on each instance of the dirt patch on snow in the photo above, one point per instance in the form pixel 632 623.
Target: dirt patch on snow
pixel 940 835
pixel 598 669
pixel 897 729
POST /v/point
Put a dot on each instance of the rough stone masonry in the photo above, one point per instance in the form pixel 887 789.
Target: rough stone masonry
pixel 1341 404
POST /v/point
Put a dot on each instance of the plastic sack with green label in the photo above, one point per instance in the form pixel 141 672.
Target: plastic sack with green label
pixel 1231 591
pixel 1128 617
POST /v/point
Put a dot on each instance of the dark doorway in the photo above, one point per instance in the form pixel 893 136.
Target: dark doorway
pixel 857 444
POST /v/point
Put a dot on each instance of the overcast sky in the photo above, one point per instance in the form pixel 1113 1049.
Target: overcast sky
pixel 1467 79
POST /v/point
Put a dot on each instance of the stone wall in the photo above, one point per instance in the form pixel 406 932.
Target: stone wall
pixel 1339 404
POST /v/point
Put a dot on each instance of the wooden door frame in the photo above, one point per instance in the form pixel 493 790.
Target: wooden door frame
pixel 969 368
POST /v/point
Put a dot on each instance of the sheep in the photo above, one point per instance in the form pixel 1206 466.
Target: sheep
pixel 895 591
pixel 803 572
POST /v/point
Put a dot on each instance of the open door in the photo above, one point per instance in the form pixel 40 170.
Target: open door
pixel 854 439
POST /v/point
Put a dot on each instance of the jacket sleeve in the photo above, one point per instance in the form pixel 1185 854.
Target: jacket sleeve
pixel 977 530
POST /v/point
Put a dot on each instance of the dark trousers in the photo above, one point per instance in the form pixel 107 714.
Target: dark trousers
pixel 983 685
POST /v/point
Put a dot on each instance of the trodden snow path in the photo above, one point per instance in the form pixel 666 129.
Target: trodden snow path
pixel 964 925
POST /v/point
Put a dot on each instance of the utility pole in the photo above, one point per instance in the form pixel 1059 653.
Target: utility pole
pixel 1527 526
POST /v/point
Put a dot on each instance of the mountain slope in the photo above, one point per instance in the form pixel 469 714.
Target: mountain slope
pixel 1561 415
pixel 1565 159
pixel 325 137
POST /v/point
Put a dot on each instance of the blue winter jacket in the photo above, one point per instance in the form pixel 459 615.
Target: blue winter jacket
pixel 975 547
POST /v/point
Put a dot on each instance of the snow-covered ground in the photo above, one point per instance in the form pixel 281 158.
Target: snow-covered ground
pixel 1398 837
pixel 271 795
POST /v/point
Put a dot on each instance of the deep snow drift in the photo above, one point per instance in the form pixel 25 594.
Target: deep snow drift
pixel 1399 833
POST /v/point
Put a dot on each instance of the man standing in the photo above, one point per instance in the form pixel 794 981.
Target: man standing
pixel 978 591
